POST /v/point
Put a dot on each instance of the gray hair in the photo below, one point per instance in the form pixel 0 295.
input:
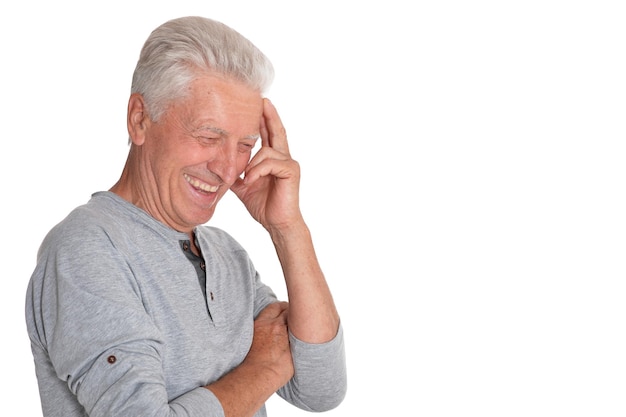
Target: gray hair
pixel 177 50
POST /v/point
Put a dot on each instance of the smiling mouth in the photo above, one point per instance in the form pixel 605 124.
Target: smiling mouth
pixel 202 186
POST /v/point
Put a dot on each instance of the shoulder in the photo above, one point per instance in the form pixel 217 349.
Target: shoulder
pixel 91 226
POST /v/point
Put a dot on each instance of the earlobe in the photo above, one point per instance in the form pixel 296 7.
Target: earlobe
pixel 137 119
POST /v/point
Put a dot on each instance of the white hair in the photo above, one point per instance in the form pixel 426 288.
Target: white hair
pixel 177 50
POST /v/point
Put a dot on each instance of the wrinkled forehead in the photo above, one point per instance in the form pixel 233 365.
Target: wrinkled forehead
pixel 221 104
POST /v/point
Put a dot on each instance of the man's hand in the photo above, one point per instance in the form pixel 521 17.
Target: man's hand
pixel 270 343
pixel 270 187
pixel 267 367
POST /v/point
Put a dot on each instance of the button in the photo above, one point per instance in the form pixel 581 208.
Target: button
pixel 111 359
pixel 202 266
pixel 212 298
pixel 185 246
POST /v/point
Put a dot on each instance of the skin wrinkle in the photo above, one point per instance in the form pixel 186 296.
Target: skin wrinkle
pixel 174 146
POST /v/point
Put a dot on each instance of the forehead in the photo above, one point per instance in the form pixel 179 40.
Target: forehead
pixel 220 102
pixel 214 83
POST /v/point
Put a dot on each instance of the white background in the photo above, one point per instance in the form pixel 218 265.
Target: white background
pixel 463 175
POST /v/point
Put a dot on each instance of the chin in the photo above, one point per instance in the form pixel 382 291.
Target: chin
pixel 206 216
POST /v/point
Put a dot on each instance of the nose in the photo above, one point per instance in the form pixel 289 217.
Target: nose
pixel 225 163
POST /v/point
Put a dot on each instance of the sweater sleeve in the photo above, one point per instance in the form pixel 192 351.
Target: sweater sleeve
pixel 104 351
pixel 320 378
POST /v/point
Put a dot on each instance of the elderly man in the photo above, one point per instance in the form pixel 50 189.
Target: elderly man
pixel 135 307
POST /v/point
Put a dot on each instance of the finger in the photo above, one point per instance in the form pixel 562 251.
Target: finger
pixel 265 141
pixel 265 153
pixel 276 133
pixel 280 169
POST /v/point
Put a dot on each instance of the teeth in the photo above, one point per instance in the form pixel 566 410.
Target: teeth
pixel 201 185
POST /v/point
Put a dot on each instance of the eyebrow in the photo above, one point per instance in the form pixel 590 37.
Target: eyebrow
pixel 223 132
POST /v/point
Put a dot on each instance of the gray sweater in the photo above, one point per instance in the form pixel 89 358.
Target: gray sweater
pixel 119 325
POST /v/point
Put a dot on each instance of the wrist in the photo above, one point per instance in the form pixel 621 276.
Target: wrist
pixel 288 232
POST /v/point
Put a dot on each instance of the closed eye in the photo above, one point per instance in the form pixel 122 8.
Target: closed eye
pixel 205 140
pixel 247 145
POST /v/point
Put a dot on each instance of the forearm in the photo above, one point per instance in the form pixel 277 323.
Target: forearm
pixel 313 317
pixel 267 366
pixel 244 390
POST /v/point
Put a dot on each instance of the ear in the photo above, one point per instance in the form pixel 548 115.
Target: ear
pixel 137 119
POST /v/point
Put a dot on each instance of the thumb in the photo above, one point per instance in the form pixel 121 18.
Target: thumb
pixel 238 188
